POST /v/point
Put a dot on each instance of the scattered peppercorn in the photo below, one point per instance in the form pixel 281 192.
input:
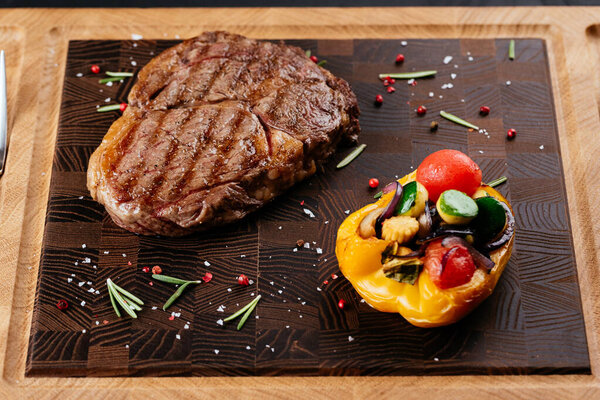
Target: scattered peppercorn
pixel 156 270
pixel 391 81
pixel 243 280
pixel 122 106
pixel 334 276
pixel 62 305
pixel 378 100
pixel 207 277
pixel 433 126
pixel 484 110
pixel 511 134
pixel 300 243
pixel 341 304
pixel 421 110
pixel 314 59
pixel 386 82
pixel 146 269
pixel 391 89
pixel 325 282
pixel 399 58
pixel 95 69
pixel 373 183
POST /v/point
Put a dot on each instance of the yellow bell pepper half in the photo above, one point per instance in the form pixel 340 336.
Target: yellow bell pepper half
pixel 422 304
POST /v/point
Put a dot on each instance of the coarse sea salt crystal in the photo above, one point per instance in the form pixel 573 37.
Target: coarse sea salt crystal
pixel 306 245
pixel 410 81
pixel 186 326
pixel 134 63
pixel 221 309
pixel 81 284
pixel 248 347
pixel 83 303
pixel 216 351
pixel 508 83
pixel 220 322
pixel 453 76
pixel 542 147
pixel 178 337
pixel 447 59
pixel 350 338
pixel 309 213
pixel 430 94
pixel 207 263
pixel 347 212
pixel 79 75
pixel 69 280
pixel 403 43
pixel 295 249
pixel 319 250
pixel 107 100
pixel 136 36
pixel 470 58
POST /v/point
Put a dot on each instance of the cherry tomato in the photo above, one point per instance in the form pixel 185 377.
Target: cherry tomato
pixel 458 269
pixel 448 169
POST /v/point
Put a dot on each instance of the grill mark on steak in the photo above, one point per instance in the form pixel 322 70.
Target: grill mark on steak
pixel 173 146
pixel 217 126
pixel 219 161
pixel 125 194
pixel 193 159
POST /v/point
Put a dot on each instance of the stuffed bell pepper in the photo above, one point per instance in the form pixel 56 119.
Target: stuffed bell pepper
pixel 433 246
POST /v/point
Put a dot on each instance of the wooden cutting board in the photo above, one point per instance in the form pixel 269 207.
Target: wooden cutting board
pixel 532 324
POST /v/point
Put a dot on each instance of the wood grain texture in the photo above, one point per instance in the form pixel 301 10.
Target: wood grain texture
pixel 532 324
pixel 40 37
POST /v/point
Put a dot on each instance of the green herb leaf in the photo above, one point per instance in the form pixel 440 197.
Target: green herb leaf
pixel 119 74
pixel 170 279
pixel 106 80
pixel 408 75
pixel 497 182
pixel 128 295
pixel 403 270
pixel 112 301
pixel 378 195
pixel 457 120
pixel 321 63
pixel 350 157
pixel 112 107
pixel 308 53
pixel 511 50
pixel 120 300
pixel 409 195
pixel 176 295
pixel 248 312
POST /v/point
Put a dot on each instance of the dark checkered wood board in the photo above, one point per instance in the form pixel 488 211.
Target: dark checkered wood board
pixel 532 323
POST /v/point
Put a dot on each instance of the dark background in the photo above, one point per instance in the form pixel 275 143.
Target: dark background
pixel 289 3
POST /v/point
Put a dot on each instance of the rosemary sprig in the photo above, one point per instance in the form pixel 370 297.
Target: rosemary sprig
pixel 112 301
pixel 176 281
pixel 497 182
pixel 113 79
pixel 457 120
pixel 128 306
pixel 248 308
pixel 120 74
pixel 321 63
pixel 350 157
pixel 511 50
pixel 112 107
pixel 248 312
pixel 408 75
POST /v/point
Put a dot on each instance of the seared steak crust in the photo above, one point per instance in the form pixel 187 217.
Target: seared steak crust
pixel 217 126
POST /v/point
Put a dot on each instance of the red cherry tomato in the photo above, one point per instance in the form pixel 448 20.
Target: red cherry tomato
pixel 448 169
pixel 458 269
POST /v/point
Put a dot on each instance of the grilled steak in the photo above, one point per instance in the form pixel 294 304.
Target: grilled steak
pixel 217 126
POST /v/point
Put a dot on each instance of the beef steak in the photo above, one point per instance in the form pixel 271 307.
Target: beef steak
pixel 217 126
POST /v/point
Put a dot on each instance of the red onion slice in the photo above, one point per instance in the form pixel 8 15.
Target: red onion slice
pixel 391 207
pixel 479 259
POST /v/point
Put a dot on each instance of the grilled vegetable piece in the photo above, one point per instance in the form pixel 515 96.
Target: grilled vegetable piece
pixel 456 208
pixel 401 229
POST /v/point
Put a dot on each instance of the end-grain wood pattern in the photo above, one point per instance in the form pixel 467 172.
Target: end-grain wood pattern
pixel 531 324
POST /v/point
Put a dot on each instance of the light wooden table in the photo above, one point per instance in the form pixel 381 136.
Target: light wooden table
pixel 36 45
